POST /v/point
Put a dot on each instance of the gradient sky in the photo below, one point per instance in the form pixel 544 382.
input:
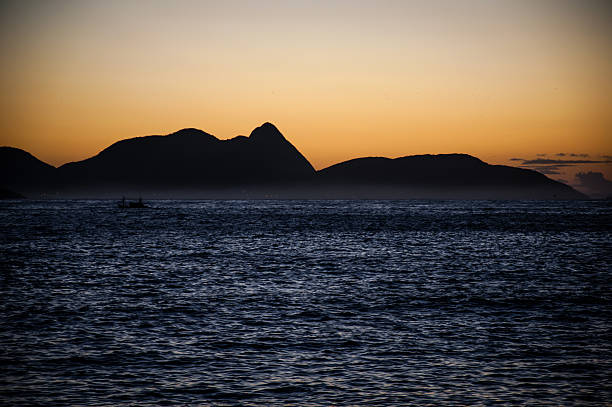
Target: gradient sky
pixel 341 79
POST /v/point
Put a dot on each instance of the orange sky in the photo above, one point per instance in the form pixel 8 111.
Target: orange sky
pixel 341 79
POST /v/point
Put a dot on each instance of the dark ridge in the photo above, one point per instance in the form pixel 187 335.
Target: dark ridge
pixel 446 173
pixel 191 157
pixel 190 131
pixel 20 170
pixel 267 133
pixel 8 194
pixel 193 163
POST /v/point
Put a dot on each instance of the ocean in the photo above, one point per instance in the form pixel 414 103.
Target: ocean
pixel 306 303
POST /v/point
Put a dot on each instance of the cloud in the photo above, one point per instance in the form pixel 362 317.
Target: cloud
pixel 546 161
pixel 595 183
pixel 567 155
pixel 547 169
pixel 553 166
pixel 562 180
pixel 541 155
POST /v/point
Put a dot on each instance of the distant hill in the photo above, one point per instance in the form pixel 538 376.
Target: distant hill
pixel 193 158
pixel 8 194
pixel 191 163
pixel 21 172
pixel 442 175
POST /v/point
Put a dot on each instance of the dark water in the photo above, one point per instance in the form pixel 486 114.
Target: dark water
pixel 306 302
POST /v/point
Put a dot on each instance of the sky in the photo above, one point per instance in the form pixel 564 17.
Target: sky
pixel 512 82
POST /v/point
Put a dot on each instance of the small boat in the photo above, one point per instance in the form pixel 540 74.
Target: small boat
pixel 138 204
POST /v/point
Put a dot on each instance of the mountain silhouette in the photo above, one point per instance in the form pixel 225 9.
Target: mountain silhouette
pixel 193 158
pixel 21 171
pixel 193 163
pixel 8 194
pixel 443 175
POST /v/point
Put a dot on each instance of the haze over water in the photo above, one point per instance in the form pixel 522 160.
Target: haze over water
pixel 305 302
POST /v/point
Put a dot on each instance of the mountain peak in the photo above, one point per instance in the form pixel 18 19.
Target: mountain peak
pixel 13 155
pixel 266 132
pixel 190 131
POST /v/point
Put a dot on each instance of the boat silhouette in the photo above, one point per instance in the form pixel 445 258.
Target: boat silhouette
pixel 131 204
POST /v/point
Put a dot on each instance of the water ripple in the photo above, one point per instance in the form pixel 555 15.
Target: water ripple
pixel 305 302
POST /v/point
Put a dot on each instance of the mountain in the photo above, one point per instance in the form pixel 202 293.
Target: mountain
pixel 191 163
pixel 441 176
pixel 8 194
pixel 21 171
pixel 192 158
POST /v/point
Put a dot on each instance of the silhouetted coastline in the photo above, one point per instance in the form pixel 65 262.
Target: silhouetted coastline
pixel 8 194
pixel 191 163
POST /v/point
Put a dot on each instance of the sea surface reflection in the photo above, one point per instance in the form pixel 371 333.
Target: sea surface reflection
pixel 305 302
